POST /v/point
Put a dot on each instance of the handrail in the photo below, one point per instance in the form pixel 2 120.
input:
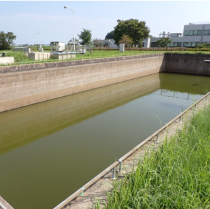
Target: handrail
pixel 120 160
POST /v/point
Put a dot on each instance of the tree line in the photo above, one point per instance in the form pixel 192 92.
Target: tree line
pixel 128 32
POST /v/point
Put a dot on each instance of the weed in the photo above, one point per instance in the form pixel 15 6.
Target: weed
pixel 175 176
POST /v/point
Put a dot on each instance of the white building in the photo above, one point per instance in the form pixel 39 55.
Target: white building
pixel 57 46
pixel 193 35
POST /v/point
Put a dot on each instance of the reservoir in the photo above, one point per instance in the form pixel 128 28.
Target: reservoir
pixel 51 149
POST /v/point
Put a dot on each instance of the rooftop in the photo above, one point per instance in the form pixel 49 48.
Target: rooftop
pixel 199 23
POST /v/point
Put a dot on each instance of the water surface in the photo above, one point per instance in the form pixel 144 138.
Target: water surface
pixel 51 149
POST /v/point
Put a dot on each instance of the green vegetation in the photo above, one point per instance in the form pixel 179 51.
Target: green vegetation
pixel 85 37
pixel 127 40
pixel 109 35
pixel 163 42
pixel 204 46
pixel 6 40
pixel 18 56
pixel 137 30
pixel 21 58
pixel 175 176
pixel 71 41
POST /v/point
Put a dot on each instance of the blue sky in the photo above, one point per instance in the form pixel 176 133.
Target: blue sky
pixel 54 23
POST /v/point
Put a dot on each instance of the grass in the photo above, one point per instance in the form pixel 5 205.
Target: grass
pixel 18 56
pixel 21 58
pixel 176 176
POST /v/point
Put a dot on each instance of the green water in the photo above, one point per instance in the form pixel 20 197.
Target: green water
pixel 51 149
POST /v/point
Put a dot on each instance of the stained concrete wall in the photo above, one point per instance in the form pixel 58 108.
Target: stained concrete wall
pixel 187 63
pixel 48 117
pixel 28 87
pixel 39 55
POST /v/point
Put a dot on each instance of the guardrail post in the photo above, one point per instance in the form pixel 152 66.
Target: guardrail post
pixel 113 174
pixel 120 165
pixel 82 193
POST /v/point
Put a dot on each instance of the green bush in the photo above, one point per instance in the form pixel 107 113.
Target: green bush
pixel 19 56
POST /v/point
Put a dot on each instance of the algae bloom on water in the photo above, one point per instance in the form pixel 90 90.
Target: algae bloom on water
pixel 175 176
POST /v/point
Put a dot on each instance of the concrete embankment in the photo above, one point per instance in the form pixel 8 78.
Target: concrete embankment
pixel 48 117
pixel 187 63
pixel 22 88
pixel 29 84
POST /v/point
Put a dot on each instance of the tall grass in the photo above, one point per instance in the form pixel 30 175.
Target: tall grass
pixel 175 176
pixel 19 56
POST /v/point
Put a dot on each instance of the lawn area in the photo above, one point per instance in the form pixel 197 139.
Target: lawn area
pixel 21 58
pixel 175 176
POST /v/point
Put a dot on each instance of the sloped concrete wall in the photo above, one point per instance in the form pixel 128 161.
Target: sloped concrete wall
pixel 24 88
pixel 48 117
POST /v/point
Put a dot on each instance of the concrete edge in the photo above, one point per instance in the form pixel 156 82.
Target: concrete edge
pixel 48 65
pixel 4 204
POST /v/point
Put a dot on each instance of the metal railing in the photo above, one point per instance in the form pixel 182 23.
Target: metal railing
pixel 120 160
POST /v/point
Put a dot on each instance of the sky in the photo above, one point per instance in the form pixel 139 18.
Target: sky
pixel 54 23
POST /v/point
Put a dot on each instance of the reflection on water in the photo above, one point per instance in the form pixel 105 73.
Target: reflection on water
pixel 51 149
pixel 39 120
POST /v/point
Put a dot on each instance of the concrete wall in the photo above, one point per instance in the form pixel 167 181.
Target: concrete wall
pixel 187 63
pixel 47 65
pixel 63 56
pixel 48 117
pixel 39 55
pixel 6 60
pixel 24 88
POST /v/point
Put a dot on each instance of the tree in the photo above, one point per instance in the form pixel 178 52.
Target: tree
pixel 110 35
pixel 85 36
pixel 71 42
pixel 163 42
pixel 125 40
pixel 6 40
pixel 137 30
pixel 96 42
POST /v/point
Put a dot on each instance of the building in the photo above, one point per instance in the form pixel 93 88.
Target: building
pixel 102 43
pixel 193 35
